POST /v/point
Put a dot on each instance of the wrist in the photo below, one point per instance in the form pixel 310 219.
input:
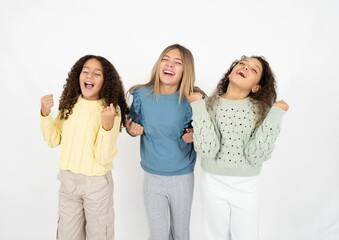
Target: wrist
pixel 107 127
pixel 43 114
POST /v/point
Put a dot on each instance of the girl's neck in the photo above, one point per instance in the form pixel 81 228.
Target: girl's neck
pixel 89 99
pixel 168 89
pixel 234 94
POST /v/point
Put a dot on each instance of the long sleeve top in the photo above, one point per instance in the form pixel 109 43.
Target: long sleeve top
pixel 164 118
pixel 86 147
pixel 226 137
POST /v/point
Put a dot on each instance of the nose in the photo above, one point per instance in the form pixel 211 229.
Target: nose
pixel 170 64
pixel 90 75
pixel 245 67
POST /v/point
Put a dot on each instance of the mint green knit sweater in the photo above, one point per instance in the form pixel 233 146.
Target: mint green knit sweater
pixel 226 138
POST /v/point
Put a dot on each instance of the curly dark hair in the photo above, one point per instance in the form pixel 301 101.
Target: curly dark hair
pixel 265 97
pixel 112 90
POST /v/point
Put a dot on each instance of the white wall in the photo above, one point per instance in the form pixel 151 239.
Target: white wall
pixel 40 40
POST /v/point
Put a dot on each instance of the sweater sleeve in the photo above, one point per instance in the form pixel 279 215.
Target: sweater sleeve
pixel 205 137
pixel 51 130
pixel 261 144
pixel 106 142
pixel 135 110
pixel 188 118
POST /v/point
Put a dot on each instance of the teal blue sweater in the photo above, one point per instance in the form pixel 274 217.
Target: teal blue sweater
pixel 227 140
pixel 164 118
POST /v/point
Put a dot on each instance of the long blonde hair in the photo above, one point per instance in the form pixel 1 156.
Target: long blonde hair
pixel 188 75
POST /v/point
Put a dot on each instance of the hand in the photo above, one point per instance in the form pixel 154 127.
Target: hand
pixel 188 136
pixel 46 103
pixel 194 96
pixel 107 117
pixel 281 104
pixel 133 128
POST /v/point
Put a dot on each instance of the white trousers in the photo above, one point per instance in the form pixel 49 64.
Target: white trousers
pixel 230 207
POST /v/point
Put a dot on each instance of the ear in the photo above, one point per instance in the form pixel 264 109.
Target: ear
pixel 256 88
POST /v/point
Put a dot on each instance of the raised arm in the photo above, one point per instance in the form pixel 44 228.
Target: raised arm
pixel 205 136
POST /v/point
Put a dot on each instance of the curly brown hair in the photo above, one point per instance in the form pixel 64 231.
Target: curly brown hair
pixel 265 97
pixel 112 90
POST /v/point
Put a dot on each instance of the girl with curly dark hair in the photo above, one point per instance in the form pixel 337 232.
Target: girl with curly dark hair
pixel 92 111
pixel 234 134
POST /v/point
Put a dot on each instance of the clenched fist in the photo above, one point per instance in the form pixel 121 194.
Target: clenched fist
pixel 195 96
pixel 107 117
pixel 46 103
pixel 133 128
pixel 188 136
pixel 281 104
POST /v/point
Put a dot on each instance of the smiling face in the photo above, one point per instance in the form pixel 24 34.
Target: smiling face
pixel 246 75
pixel 170 71
pixel 91 79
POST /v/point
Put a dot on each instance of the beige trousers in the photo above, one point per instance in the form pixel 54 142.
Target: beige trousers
pixel 85 207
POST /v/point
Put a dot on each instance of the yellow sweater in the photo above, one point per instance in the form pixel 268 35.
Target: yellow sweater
pixel 86 147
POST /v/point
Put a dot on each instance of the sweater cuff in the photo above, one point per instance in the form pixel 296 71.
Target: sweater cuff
pixel 275 114
pixel 198 107
pixel 44 121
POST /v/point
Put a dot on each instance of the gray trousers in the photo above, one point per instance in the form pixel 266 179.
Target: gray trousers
pixel 168 201
pixel 85 207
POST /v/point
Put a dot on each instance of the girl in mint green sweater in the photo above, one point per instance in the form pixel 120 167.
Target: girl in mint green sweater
pixel 234 133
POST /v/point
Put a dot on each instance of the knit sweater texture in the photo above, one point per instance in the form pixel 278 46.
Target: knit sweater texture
pixel 226 138
pixel 165 119
pixel 86 148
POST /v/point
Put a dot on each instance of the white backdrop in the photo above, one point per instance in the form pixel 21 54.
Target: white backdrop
pixel 40 40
